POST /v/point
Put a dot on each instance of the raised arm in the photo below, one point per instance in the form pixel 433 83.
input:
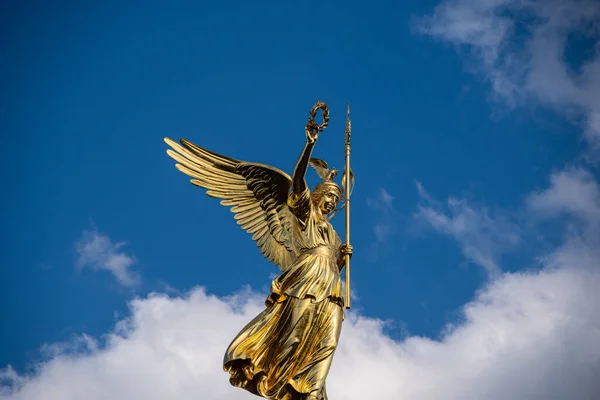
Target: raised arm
pixel 299 180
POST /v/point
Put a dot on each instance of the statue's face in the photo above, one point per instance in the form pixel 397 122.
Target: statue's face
pixel 328 201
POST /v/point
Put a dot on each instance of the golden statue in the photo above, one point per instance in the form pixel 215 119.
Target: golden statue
pixel 286 351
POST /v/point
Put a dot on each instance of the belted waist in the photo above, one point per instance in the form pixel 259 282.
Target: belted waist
pixel 324 250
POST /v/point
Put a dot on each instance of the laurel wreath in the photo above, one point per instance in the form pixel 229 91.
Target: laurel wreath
pixel 312 126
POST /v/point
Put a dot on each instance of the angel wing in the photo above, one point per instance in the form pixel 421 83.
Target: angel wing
pixel 256 193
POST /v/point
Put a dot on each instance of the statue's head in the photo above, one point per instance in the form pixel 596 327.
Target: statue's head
pixel 326 196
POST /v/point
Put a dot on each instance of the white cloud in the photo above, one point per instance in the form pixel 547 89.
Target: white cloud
pixel 98 252
pixel 519 46
pixel 526 336
pixel 483 236
pixel 383 203
pixel 572 191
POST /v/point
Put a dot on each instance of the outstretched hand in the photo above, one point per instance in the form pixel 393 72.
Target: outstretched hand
pixel 312 132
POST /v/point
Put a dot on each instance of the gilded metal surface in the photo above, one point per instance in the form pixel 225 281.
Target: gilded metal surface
pixel 286 351
pixel 346 179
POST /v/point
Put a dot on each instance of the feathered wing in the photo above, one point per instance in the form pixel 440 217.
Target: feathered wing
pixel 256 193
pixel 321 167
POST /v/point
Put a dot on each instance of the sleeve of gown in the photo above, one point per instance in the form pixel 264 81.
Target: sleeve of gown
pixel 300 205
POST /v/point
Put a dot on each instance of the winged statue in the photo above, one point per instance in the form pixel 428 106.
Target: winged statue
pixel 285 352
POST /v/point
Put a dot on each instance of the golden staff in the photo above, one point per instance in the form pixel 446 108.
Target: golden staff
pixel 347 178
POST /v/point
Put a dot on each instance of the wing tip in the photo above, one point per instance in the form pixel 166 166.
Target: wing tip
pixel 171 153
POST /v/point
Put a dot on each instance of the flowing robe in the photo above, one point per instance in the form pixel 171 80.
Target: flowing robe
pixel 286 351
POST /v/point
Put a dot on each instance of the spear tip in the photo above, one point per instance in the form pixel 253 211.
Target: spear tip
pixel 348 125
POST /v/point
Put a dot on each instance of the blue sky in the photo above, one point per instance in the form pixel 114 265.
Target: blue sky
pixel 474 147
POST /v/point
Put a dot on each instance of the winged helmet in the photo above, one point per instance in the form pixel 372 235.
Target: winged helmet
pixel 322 169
